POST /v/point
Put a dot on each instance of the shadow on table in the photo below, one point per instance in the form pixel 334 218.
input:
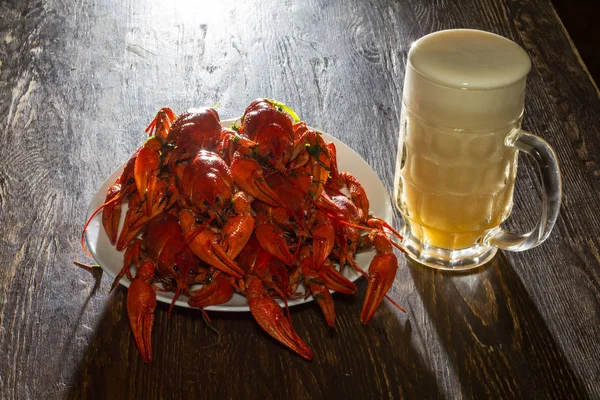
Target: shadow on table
pixel 495 338
pixel 191 361
pixel 381 359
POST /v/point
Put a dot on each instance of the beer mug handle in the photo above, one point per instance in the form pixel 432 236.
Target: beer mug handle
pixel 541 151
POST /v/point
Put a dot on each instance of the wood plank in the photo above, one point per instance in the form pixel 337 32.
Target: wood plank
pixel 79 82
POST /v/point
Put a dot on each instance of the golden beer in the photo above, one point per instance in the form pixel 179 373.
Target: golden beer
pixel 453 185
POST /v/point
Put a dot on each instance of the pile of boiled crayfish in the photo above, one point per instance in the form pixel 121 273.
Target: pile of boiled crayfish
pixel 259 208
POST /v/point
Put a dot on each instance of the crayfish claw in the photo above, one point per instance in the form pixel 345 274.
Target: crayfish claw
pixel 141 303
pixel 321 294
pixel 111 213
pixel 204 244
pixel 382 273
pixel 271 239
pixel 335 281
pixel 236 233
pixel 357 193
pixel 146 170
pixel 161 124
pixel 219 291
pixel 269 315
pixel 248 175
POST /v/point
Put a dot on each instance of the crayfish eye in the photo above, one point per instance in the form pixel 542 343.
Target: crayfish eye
pixel 274 277
pixel 192 272
pixel 175 267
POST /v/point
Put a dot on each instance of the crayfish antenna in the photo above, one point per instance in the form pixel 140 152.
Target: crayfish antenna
pixel 175 296
pixel 87 223
pixel 287 309
pixel 207 319
pixel 86 266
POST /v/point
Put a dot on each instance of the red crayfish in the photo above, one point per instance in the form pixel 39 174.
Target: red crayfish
pixel 258 209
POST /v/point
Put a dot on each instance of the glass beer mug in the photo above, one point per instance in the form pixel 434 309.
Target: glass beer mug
pixel 460 136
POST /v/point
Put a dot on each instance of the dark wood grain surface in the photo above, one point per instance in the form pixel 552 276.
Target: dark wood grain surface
pixel 80 80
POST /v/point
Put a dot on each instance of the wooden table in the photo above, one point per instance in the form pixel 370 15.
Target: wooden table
pixel 78 83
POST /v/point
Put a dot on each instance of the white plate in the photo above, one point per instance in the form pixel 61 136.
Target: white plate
pixel 111 260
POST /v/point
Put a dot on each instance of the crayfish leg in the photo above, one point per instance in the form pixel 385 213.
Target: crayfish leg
pixel 132 255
